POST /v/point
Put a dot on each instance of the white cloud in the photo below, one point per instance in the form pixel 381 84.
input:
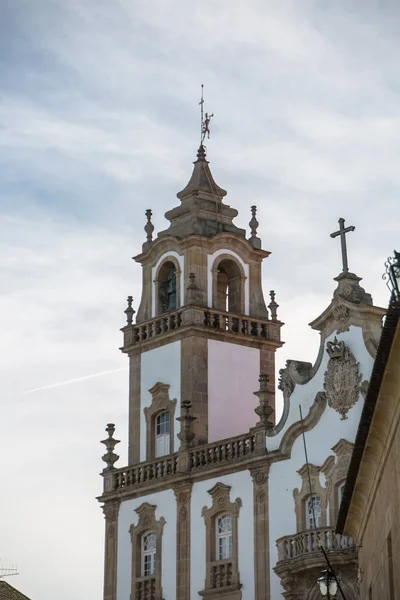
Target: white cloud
pixel 99 121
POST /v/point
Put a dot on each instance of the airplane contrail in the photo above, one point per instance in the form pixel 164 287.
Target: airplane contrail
pixel 53 385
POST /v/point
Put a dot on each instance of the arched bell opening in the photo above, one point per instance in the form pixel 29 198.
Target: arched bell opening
pixel 167 287
pixel 228 286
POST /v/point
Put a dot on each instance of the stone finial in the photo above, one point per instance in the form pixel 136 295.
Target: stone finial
pixel 129 311
pixel 266 398
pixel 253 224
pixel 273 306
pixel 109 457
pixel 186 435
pixel 149 227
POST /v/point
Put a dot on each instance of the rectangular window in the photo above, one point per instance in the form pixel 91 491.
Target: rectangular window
pixel 314 512
pixel 163 437
pixel 224 537
pixel 149 554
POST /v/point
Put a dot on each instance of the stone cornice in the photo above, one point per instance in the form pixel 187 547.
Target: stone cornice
pixel 224 239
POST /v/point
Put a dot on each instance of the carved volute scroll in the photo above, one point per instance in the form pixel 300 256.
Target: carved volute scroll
pixel 160 402
pixel 147 522
pixel 342 378
pixel 222 576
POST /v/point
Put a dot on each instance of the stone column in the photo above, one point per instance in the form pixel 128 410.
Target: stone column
pixel 183 493
pixel 111 510
pixel 261 532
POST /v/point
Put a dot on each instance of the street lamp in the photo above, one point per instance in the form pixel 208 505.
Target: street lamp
pixel 327 584
pixel 393 274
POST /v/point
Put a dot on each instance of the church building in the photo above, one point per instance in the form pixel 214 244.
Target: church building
pixel 218 498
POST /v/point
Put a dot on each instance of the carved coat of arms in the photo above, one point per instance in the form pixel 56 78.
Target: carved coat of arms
pixel 342 378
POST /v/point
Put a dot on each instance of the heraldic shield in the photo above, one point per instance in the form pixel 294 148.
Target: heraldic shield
pixel 342 378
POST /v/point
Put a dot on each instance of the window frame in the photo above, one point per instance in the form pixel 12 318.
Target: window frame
pixel 145 553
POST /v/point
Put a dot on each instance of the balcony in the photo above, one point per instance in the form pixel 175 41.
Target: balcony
pixel 300 561
pixel 204 319
pixel 309 542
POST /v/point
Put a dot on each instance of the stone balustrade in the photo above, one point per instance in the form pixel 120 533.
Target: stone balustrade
pixel 204 457
pixel 146 588
pixel 221 573
pixel 204 318
pixel 307 542
pixel 143 473
pixel 225 450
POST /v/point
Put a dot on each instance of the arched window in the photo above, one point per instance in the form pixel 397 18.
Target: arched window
pixel 313 512
pixel 229 287
pixel 167 288
pixel 163 434
pixel 224 537
pixel 149 554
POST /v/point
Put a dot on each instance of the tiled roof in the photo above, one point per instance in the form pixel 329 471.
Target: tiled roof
pixel 8 592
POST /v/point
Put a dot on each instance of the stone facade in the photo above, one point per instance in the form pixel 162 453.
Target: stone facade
pixel 370 507
pixel 227 502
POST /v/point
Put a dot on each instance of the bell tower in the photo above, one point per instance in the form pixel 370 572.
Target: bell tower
pixel 203 332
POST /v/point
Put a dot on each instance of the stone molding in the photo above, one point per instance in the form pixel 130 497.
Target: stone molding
pixel 183 493
pixel 335 473
pixel 301 497
pixel 221 505
pixel 261 532
pixel 111 511
pixel 160 402
pixel 309 421
pixel 147 522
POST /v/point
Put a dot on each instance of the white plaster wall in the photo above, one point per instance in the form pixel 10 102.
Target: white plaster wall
pixel 161 364
pixel 181 262
pixel 242 487
pixel 166 507
pixel 210 262
pixel 283 477
pixel 233 373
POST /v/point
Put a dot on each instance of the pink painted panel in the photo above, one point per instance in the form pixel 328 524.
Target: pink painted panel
pixel 233 373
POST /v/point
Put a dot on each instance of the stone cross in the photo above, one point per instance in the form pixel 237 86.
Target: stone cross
pixel 342 232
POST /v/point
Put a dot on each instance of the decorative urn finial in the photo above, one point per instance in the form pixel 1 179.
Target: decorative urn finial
pixel 253 224
pixel 273 306
pixel 149 227
pixel 264 410
pixel 109 457
pixel 129 311
pixel 186 435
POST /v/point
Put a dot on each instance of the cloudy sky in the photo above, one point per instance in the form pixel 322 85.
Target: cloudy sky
pixel 99 121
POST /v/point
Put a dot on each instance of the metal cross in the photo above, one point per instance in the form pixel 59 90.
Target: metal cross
pixel 342 232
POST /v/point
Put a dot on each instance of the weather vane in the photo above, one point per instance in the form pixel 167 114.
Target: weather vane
pixel 205 122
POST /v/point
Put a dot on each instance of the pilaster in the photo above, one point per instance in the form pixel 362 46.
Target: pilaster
pixel 261 532
pixel 183 493
pixel 111 511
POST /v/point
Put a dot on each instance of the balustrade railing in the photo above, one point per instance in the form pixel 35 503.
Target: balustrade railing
pixel 225 450
pixel 306 542
pixel 236 324
pixel 210 318
pixel 145 472
pixel 202 457
pixel 146 588
pixel 221 574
